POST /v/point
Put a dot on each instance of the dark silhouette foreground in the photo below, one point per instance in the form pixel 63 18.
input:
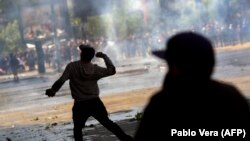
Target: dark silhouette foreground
pixel 83 76
pixel 190 99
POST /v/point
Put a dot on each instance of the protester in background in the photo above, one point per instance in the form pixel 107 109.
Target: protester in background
pixel 190 100
pixel 31 60
pixel 83 76
pixel 4 65
pixel 14 65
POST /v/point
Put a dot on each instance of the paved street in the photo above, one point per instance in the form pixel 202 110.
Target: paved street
pixel 24 108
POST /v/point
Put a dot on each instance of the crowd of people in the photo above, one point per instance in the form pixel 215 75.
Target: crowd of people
pixel 221 33
pixel 23 61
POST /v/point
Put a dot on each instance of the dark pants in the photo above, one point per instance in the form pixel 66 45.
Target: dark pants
pixel 82 110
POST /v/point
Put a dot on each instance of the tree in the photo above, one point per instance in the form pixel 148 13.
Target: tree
pixel 119 21
pixel 76 24
pixel 10 31
pixel 10 37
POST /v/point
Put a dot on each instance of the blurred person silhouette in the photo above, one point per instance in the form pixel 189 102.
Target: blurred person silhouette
pixel 31 60
pixel 83 76
pixel 14 66
pixel 190 99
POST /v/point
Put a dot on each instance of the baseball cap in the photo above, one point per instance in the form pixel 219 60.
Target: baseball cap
pixel 189 51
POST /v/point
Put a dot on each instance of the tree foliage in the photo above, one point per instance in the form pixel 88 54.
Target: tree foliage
pixel 118 24
pixel 10 37
pixel 97 26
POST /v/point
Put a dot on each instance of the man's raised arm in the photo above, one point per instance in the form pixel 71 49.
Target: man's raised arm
pixel 110 70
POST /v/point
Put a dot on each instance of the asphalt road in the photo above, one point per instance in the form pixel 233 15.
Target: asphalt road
pixel 30 92
pixel 232 66
pixel 136 74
